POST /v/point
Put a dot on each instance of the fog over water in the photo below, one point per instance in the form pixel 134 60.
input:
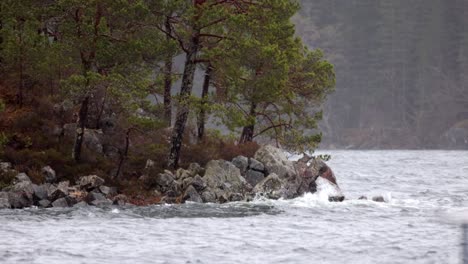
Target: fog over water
pixel 422 188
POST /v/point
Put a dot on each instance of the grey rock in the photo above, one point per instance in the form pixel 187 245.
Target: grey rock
pixel 49 174
pixel 97 199
pixel 93 138
pixel 275 161
pixel 18 200
pixel 236 197
pixel 108 191
pixel 253 177
pixel 22 177
pixel 181 174
pixel 61 202
pixel 221 174
pixel 81 204
pixel 41 191
pixel 271 187
pixel 44 203
pixel 208 196
pixel 25 188
pixel 192 195
pixel 362 197
pixel 108 125
pixel 59 191
pixel 5 166
pixel 194 169
pixel 90 182
pixel 186 183
pixel 4 201
pixel 120 200
pixel 241 163
pixel 256 165
pixel 198 183
pixel 164 181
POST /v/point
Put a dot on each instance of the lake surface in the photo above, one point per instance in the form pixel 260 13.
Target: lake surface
pixel 423 189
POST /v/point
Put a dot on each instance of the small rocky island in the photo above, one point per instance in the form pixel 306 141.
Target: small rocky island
pixel 269 174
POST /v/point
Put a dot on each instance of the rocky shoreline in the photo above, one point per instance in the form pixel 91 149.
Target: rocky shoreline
pixel 269 174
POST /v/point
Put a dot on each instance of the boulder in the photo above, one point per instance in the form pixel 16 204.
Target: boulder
pixel 164 181
pixel 195 169
pixel 25 188
pixel 59 191
pixel 41 191
pixel 275 161
pixel 256 165
pixel 90 182
pixel 180 174
pixel 108 191
pixel 97 199
pixel 81 204
pixel 191 195
pixel 5 166
pixel 120 200
pixel 253 177
pixel 18 200
pixel 22 177
pixel 242 163
pixel 198 183
pixel 92 137
pixel 61 202
pixel 271 187
pixel 44 203
pixel 208 196
pixel 49 174
pixel 221 174
pixel 4 201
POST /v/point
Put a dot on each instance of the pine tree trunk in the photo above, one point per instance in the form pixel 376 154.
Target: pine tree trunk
pixel 80 129
pixel 168 81
pixel 184 107
pixel 204 101
pixel 248 131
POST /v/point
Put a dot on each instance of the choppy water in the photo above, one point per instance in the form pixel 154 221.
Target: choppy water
pixel 422 187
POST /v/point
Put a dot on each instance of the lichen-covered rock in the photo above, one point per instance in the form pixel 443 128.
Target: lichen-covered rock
pixel 242 163
pixel 271 187
pixel 221 174
pixel 22 177
pixel 120 200
pixel 195 169
pixel 208 196
pixel 59 191
pixel 49 174
pixel 191 195
pixel 198 183
pixel 5 166
pixel 164 181
pixel 90 182
pixel 275 161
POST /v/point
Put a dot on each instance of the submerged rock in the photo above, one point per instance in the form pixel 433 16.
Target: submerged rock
pixel 378 199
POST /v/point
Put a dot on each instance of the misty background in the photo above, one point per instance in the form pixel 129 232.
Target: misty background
pixel 401 69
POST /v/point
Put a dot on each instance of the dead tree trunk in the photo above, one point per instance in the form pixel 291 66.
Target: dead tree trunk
pixel 184 104
pixel 123 154
pixel 204 102
pixel 80 129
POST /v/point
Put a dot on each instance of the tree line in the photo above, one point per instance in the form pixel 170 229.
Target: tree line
pixel 116 59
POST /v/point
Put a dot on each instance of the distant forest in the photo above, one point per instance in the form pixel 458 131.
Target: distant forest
pixel 401 67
